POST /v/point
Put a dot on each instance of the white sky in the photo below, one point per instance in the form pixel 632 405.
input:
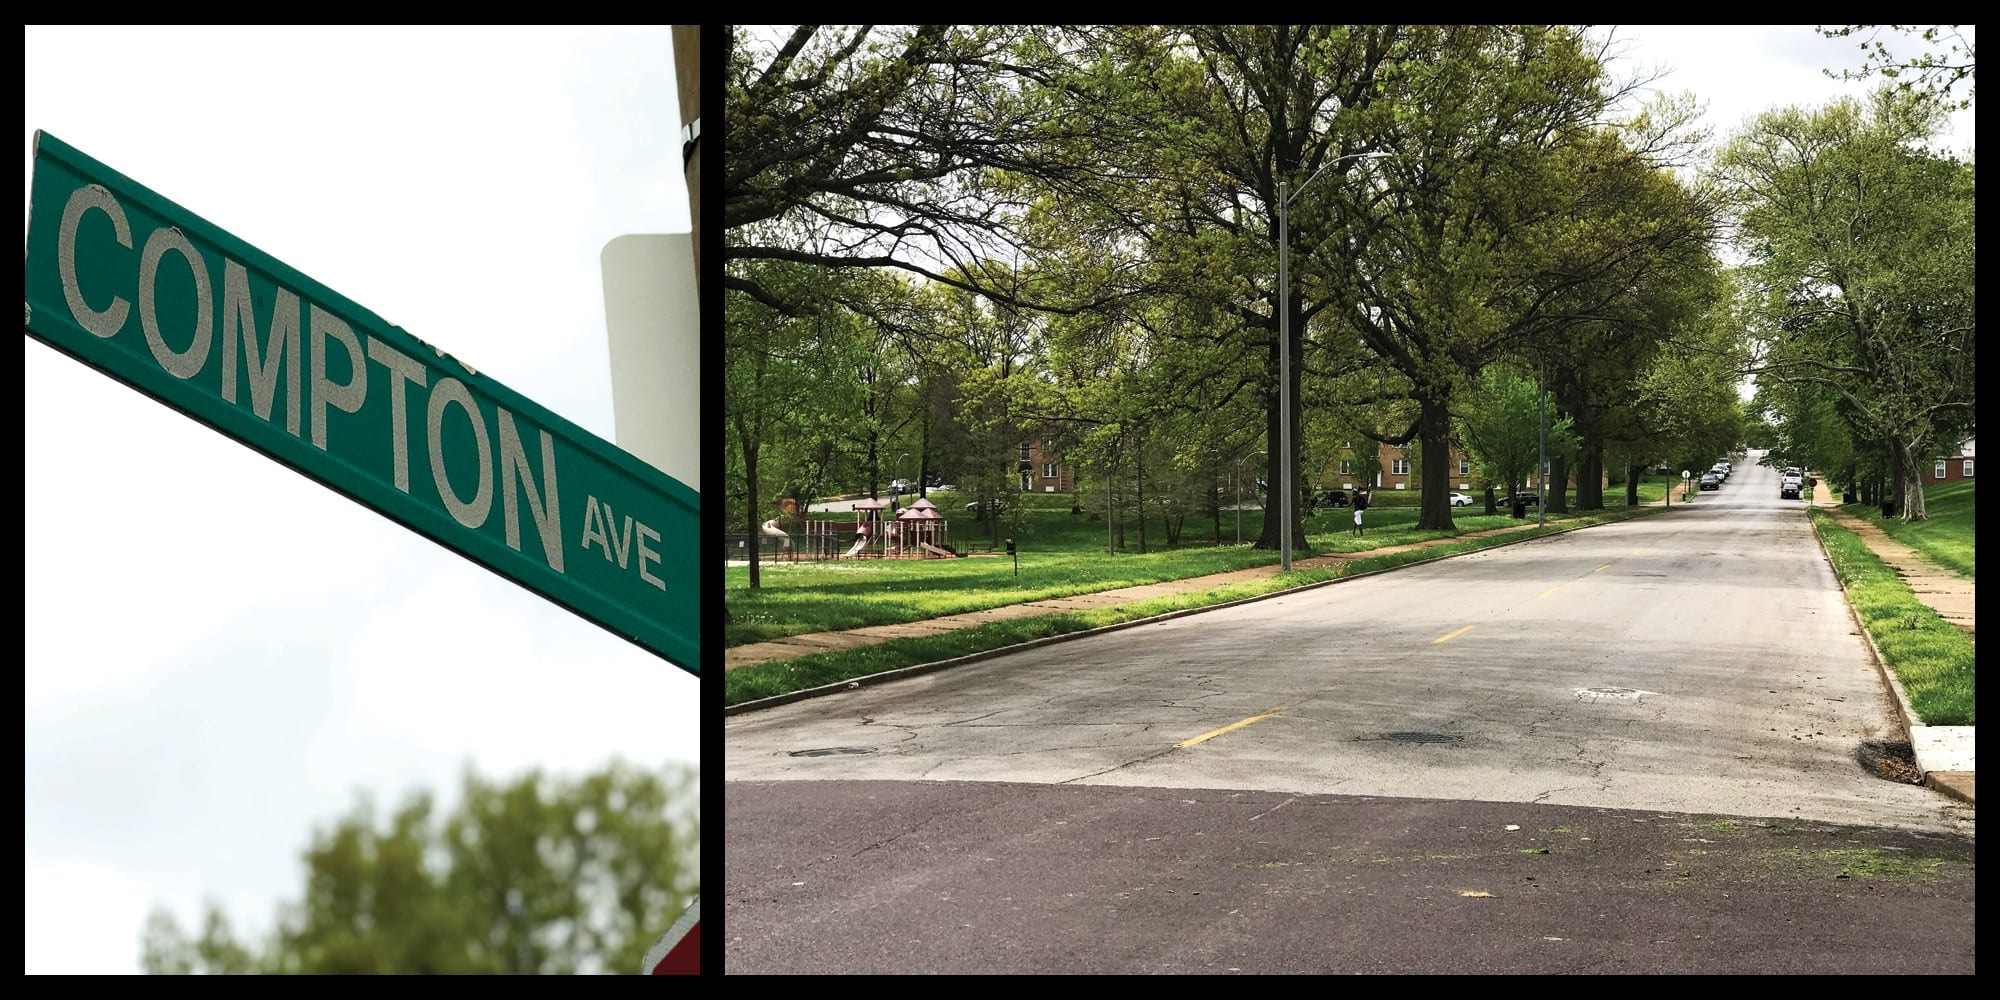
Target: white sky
pixel 219 653
pixel 1740 70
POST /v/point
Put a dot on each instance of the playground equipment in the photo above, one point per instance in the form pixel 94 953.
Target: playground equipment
pixel 772 530
pixel 918 531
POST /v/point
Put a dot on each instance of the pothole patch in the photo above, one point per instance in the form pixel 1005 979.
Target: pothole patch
pixel 831 751
pixel 1608 692
pixel 1411 737
pixel 1890 760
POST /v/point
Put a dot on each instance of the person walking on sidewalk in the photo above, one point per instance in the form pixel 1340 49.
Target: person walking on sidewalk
pixel 1360 504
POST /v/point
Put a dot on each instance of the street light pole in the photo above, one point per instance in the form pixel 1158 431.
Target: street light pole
pixel 1284 382
pixel 1285 351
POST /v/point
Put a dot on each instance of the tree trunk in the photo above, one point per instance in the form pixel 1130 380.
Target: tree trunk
pixel 1215 503
pixel 756 527
pixel 1268 538
pixel 1590 478
pixel 1556 490
pixel 1913 484
pixel 1139 489
pixel 924 455
pixel 990 509
pixel 1120 523
pixel 1631 484
pixel 874 467
pixel 1896 482
pixel 1434 430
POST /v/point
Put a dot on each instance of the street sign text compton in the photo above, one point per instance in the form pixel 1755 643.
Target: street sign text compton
pixel 140 288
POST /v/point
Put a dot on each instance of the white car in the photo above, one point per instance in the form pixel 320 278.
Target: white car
pixel 1460 500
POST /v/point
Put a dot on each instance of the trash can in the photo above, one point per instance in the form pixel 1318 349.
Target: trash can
pixel 1888 508
pixel 1520 510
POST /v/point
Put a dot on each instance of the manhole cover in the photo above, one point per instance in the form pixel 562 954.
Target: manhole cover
pixel 1890 760
pixel 1421 738
pixel 831 751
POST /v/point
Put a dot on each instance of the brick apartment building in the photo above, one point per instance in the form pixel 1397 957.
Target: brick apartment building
pixel 1953 468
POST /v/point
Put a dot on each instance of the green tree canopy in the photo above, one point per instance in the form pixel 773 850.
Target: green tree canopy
pixel 535 875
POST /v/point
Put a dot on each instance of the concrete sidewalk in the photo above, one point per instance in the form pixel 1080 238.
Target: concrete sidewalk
pixel 1944 753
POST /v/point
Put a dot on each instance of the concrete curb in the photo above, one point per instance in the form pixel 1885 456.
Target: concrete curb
pixel 919 669
pixel 1954 786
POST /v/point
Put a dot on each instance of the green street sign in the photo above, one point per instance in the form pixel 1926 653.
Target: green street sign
pixel 167 303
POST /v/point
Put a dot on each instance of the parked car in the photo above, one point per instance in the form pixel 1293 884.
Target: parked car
pixel 1460 500
pixel 1789 489
pixel 901 486
pixel 1711 481
pixel 1330 498
pixel 1528 499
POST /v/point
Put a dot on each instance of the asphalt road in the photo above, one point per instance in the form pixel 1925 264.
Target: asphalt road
pixel 1684 697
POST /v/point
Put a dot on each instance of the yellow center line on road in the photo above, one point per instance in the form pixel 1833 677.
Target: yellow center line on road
pixel 1234 725
pixel 1549 591
pixel 1602 568
pixel 1452 635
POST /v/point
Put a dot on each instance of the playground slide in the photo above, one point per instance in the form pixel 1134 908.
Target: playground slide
pixel 859 544
pixel 772 530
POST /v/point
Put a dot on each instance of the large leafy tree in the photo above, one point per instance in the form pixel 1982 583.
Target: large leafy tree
pixel 1686 398
pixel 1505 424
pixel 885 146
pixel 791 384
pixel 1435 261
pixel 1629 269
pixel 539 874
pixel 1861 241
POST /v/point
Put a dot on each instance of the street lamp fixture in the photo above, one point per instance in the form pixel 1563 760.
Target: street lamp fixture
pixel 1285 350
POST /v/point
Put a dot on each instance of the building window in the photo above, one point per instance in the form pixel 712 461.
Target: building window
pixel 1025 456
pixel 1400 467
pixel 1048 470
pixel 1939 471
pixel 1346 467
pixel 1465 467
pixel 1968 468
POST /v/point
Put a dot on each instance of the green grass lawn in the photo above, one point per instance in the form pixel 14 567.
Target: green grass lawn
pixel 1930 656
pixel 1060 554
pixel 1946 538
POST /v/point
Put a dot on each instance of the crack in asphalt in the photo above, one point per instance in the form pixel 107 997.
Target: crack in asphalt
pixel 1273 809
pixel 976 718
pixel 1163 751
